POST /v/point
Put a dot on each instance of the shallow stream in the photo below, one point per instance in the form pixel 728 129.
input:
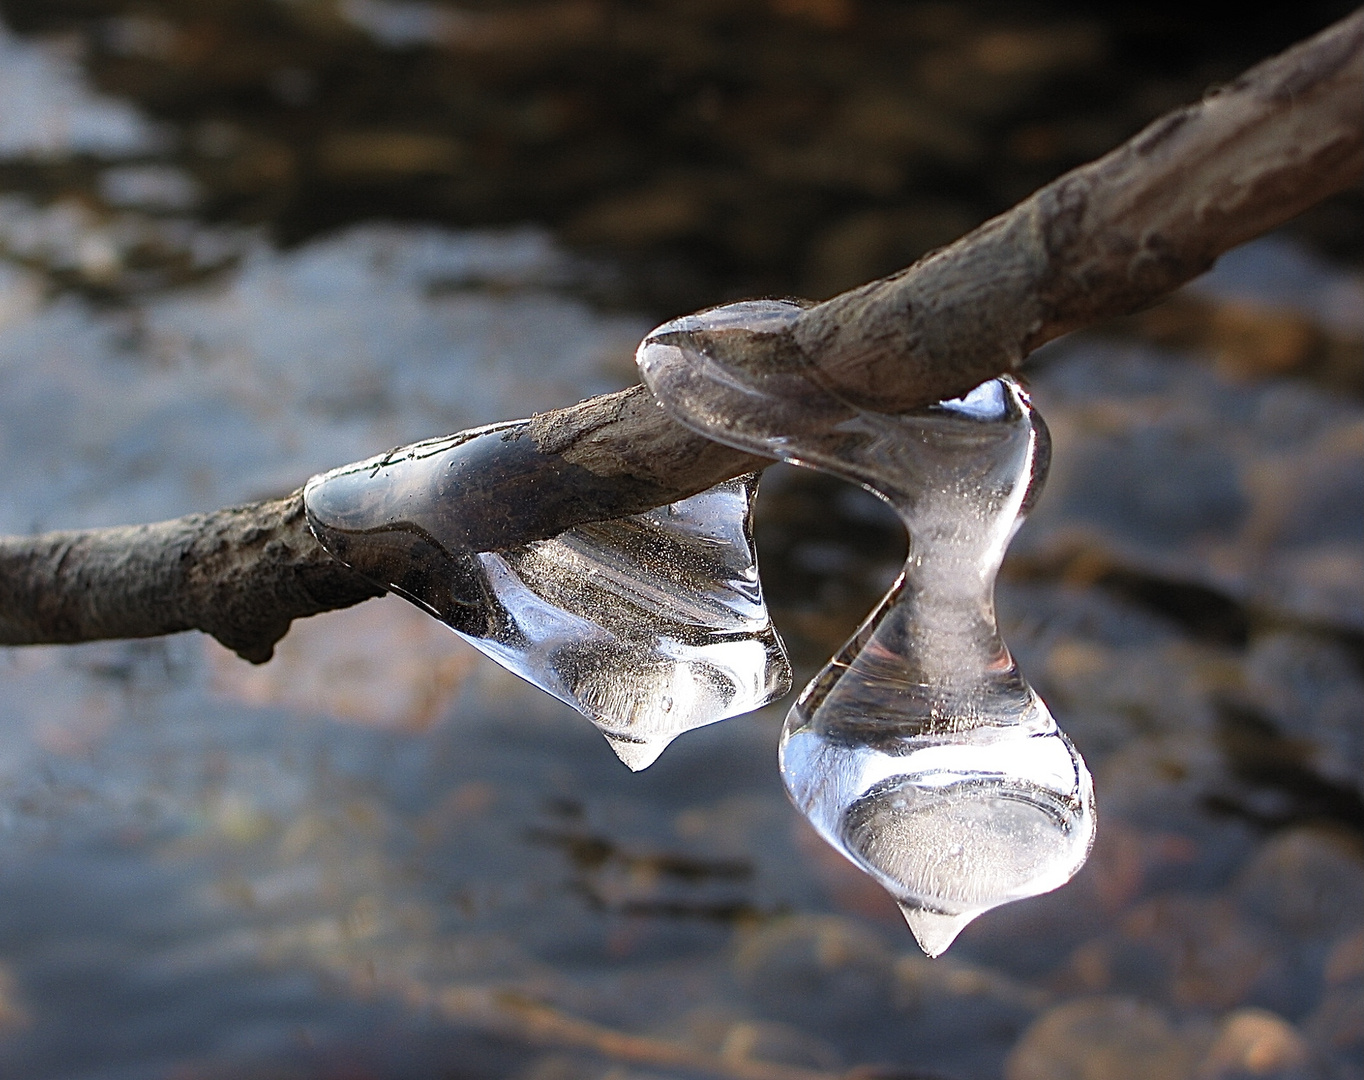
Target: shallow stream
pixel 380 856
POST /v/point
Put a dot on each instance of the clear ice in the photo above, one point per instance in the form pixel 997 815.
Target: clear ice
pixel 919 751
pixel 649 625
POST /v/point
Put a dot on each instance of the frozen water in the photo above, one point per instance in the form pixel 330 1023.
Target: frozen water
pixel 920 751
pixel 648 625
pixel 179 826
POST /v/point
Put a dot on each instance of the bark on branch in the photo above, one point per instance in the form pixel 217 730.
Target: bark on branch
pixel 1104 240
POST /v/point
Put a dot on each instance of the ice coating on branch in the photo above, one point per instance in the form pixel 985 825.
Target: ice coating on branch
pixel 920 752
pixel 648 625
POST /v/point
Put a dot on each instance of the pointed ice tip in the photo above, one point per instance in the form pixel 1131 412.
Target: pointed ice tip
pixel 934 931
pixel 637 755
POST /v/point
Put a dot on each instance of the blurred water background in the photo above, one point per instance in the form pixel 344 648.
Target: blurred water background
pixel 245 240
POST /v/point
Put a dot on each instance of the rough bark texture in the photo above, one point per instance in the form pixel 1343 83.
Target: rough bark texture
pixel 1104 240
pixel 240 574
pixel 1110 237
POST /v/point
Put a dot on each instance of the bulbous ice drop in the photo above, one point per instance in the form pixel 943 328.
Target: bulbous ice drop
pixel 649 625
pixel 919 752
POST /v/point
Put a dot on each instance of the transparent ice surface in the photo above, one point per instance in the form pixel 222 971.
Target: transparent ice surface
pixel 919 752
pixel 649 625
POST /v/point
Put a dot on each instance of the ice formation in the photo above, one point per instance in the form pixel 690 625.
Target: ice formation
pixel 920 752
pixel 649 625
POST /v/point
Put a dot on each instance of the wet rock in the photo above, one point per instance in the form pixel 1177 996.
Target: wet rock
pixel 1102 1039
pixel 1159 483
pixel 1345 962
pixel 387 155
pixel 836 981
pixel 754 1040
pixel 822 973
pixel 1161 785
pixel 1244 338
pixel 1125 858
pixel 1309 685
pixel 1193 952
pixel 1108 690
pixel 1172 472
pixel 1253 1043
pixel 1338 1022
pixel 1308 882
pixel 961 1018
pixel 746 1040
pixel 13 1014
pixel 1253 341
pixel 562 1067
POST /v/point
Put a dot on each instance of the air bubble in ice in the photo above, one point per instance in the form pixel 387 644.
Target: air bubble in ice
pixel 649 625
pixel 919 752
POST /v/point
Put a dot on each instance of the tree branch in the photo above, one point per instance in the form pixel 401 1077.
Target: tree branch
pixel 240 574
pixel 1103 240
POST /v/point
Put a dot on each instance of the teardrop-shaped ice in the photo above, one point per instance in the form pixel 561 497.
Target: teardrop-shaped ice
pixel 649 625
pixel 920 752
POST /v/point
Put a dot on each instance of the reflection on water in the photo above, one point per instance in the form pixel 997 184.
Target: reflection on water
pixel 380 856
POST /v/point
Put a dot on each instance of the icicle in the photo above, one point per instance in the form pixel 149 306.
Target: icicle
pixel 919 752
pixel 649 625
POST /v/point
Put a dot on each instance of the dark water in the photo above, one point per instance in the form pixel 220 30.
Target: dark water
pixel 243 242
